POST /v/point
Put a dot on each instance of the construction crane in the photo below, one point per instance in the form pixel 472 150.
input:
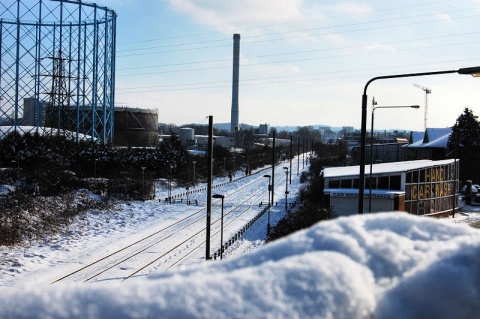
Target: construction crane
pixel 427 92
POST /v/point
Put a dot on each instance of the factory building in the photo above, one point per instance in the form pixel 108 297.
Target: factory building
pixel 422 187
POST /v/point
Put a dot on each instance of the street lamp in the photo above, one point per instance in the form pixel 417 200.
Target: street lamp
pixel 221 226
pixel 371 142
pixel 143 181
pixel 474 71
pixel 286 188
pixel 193 162
pixel 269 190
pixel 170 185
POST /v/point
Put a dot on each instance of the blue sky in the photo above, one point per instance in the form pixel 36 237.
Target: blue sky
pixel 303 62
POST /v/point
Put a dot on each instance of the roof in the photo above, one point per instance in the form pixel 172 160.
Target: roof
pixel 416 136
pixel 382 168
pixel 355 191
pixel 433 138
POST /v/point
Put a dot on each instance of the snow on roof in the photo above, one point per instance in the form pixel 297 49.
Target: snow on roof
pixel 355 191
pixel 416 137
pixel 435 133
pixel 383 168
pixel 440 142
pixel 433 138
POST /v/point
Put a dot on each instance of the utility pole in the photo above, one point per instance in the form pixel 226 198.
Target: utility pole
pixel 209 185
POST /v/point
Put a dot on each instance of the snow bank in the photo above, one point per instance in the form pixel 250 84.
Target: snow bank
pixel 390 265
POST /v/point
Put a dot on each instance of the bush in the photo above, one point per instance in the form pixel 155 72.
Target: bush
pixel 302 218
pixel 26 218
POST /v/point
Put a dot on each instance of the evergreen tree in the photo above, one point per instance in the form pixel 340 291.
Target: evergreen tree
pixel 464 142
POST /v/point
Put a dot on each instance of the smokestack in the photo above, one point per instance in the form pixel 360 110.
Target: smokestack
pixel 236 63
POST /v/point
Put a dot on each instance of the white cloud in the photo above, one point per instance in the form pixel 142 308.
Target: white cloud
pixel 444 17
pixel 352 8
pixel 228 14
pixel 379 47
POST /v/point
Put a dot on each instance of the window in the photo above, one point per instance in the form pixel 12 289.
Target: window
pixel 395 182
pixel 334 184
pixel 383 182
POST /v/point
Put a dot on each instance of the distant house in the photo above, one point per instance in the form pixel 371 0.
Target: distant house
pixel 431 144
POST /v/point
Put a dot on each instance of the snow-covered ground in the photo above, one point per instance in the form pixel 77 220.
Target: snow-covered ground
pixel 382 265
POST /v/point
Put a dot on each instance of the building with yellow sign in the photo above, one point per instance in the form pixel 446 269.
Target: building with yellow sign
pixel 422 187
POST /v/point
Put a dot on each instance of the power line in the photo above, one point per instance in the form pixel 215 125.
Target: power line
pixel 296 60
pixel 283 33
pixel 228 83
pixel 282 24
pixel 282 54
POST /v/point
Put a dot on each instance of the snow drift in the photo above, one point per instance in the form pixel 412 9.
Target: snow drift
pixel 390 265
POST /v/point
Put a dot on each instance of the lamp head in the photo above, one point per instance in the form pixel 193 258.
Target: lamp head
pixel 473 71
pixel 218 196
pixel 415 106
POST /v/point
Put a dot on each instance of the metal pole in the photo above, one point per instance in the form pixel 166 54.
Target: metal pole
pixel 298 155
pixel 291 155
pixel 286 188
pixel 303 149
pixel 209 186
pixel 268 222
pixel 454 200
pixel 194 173
pixel 371 145
pixel 143 181
pixel 221 234
pixel 273 167
pixel 371 158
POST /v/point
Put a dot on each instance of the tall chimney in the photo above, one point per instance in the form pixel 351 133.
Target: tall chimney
pixel 236 62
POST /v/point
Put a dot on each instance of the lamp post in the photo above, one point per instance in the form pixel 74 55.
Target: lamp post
pixel 291 157
pixel 143 181
pixel 221 225
pixel 170 185
pixel 194 173
pixel 269 190
pixel 475 71
pixel 371 142
pixel 286 188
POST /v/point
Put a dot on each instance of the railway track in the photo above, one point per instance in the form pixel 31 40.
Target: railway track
pixel 179 242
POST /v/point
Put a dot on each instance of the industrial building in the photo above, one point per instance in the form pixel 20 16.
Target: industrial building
pixel 135 127
pixel 421 187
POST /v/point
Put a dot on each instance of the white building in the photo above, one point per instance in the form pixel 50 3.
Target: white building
pixel 422 187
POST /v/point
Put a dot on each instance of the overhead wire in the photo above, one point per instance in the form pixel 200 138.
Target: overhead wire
pixel 285 23
pixel 247 40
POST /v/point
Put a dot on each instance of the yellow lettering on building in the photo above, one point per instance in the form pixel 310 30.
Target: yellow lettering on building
pixel 439 189
pixel 421 191
pixel 414 192
pixel 440 174
pixel 434 174
pixel 427 191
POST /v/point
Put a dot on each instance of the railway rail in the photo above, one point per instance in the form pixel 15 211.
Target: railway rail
pixel 180 241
